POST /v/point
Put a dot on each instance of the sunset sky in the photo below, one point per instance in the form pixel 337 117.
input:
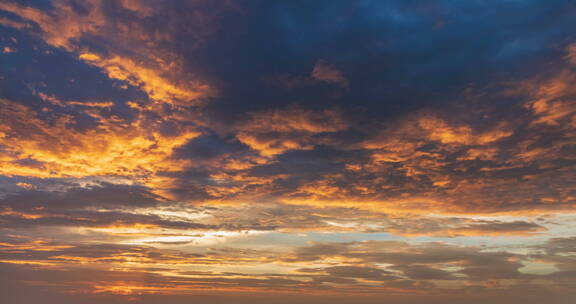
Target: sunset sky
pixel 288 151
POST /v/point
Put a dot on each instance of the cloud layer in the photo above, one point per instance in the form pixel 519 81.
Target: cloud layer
pixel 333 151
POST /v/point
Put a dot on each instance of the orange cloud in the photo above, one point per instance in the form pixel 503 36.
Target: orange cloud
pixel 33 147
pixel 553 101
pixel 439 130
pixel 153 68
pixel 323 71
pixel 273 132
pixel 158 87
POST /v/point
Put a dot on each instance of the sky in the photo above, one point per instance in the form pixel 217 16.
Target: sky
pixel 287 151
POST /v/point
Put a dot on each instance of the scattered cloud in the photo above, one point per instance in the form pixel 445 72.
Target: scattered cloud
pixel 267 152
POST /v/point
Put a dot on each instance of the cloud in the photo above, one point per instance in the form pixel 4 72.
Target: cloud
pixel 454 227
pixel 325 72
pixel 372 274
pixel 421 261
pixel 404 267
pixel 128 50
pixel 37 148
pixel 430 161
pixel 184 151
pixel 421 272
pixel 275 131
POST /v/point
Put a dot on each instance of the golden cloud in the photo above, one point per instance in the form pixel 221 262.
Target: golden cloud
pixel 273 132
pixel 153 68
pixel 33 147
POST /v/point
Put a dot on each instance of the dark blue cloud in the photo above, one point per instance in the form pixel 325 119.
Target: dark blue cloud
pixel 397 55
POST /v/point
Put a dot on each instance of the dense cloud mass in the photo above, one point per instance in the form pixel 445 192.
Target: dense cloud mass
pixel 287 151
